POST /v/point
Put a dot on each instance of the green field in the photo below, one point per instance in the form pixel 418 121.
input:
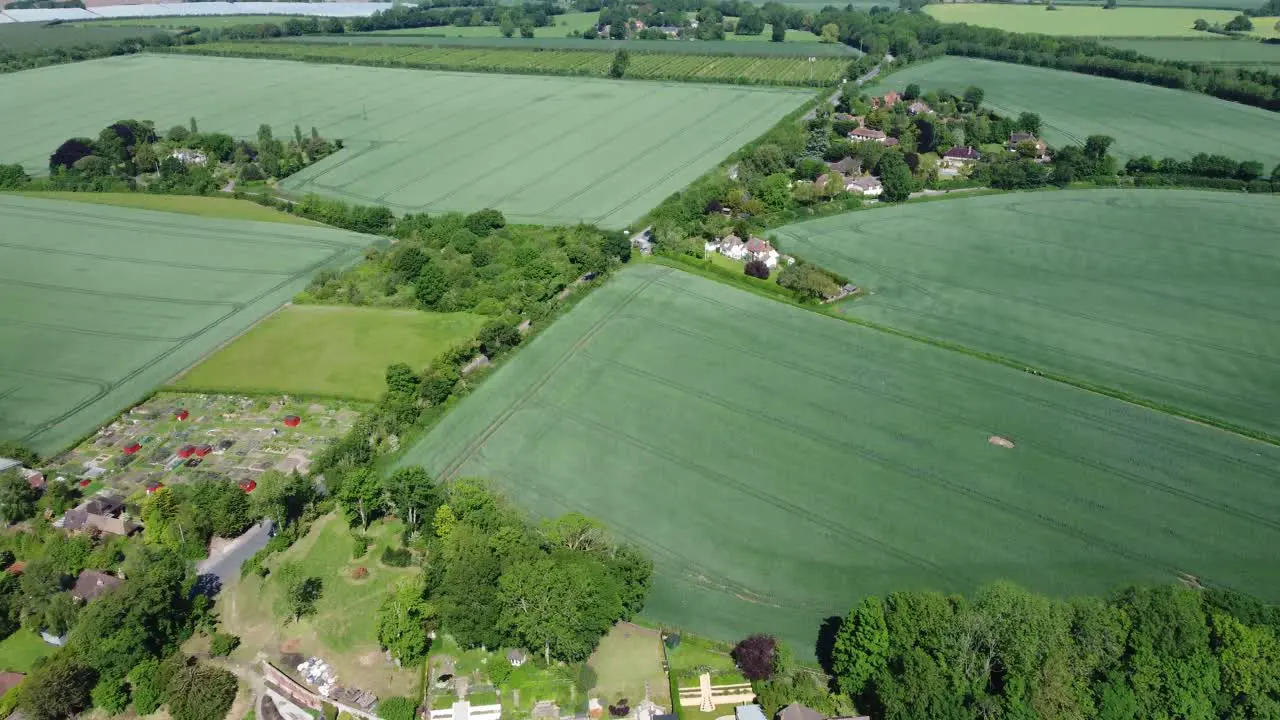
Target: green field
pixel 1229 53
pixel 541 149
pixel 424 37
pixel 1161 294
pixel 564 24
pixel 796 36
pixel 778 464
pixel 1143 119
pixel 186 21
pixel 356 345
pixel 20 651
pixel 1084 21
pixel 23 37
pixel 100 304
pixel 202 205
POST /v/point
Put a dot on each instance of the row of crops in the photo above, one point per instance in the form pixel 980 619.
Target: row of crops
pixel 686 47
pixel 647 66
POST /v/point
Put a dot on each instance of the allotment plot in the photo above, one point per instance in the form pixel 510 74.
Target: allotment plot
pixel 778 464
pixel 100 304
pixel 1168 295
pixel 548 150
pixel 1143 119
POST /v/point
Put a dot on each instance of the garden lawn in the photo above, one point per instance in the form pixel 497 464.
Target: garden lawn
pixel 343 630
pixel 545 150
pixel 20 651
pixel 1083 21
pixel 779 464
pixel 329 350
pixel 202 205
pixel 1162 294
pixel 627 661
pixel 100 304
pixel 1143 119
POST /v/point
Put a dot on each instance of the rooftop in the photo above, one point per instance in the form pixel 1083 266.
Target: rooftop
pixel 93 583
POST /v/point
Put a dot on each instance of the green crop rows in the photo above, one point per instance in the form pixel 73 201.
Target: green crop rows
pixel 1143 119
pixel 1162 294
pixel 777 463
pixel 23 37
pixel 427 36
pixel 777 70
pixel 541 149
pixel 1227 53
pixel 100 304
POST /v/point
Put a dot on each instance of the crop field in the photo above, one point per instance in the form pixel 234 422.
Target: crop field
pixel 186 21
pixel 1235 5
pixel 1086 21
pixel 727 68
pixel 1229 53
pixel 1160 294
pixel 22 37
pixel 99 304
pixel 1143 119
pixel 203 205
pixel 565 23
pixel 283 354
pixel 777 464
pixel 529 146
pixel 423 37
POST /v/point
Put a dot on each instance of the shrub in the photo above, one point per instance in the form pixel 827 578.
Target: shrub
pixel 223 643
pixel 620 710
pixel 756 269
pixel 396 708
pixel 397 557
pixel 359 545
pixel 360 573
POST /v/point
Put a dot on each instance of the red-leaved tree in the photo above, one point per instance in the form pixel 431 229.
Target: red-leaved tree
pixel 755 656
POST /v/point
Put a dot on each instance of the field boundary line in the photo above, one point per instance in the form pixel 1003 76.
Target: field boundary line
pixel 459 461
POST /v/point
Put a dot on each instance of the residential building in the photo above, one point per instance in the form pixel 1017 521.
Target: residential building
pixel 866 186
pixel 891 142
pixel 732 246
pixel 919 107
pixel 760 249
pixel 91 584
pixel 517 657
pixel 1018 138
pixel 100 513
pixel 796 711
pixel 890 99
pixel 190 157
pixel 958 157
pixel 865 134
pixel 846 166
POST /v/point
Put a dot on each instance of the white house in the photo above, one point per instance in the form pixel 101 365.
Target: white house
pixel 759 249
pixel 190 157
pixel 865 134
pixel 733 247
pixel 866 186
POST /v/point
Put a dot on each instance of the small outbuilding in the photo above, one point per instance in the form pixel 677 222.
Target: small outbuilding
pixel 132 448
pixel 517 657
pixel 181 415
pixel 292 421
pixel 186 451
pixel 203 450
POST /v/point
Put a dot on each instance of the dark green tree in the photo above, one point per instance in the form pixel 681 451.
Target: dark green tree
pixel 777 32
pixel 299 592
pixel 619 66
pixel 563 604
pixel 58 689
pixel 861 647
pixel 895 176
pixel 17 498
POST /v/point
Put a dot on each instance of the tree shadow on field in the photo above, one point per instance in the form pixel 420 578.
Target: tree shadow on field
pixel 826 643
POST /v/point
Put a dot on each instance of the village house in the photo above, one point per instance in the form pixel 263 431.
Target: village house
pixel 890 99
pixel 760 249
pixel 101 513
pixel 796 711
pixel 846 166
pixel 190 157
pixel 866 186
pixel 1018 138
pixel 919 107
pixel 731 246
pixel 958 157
pixel 91 584
pixel 865 134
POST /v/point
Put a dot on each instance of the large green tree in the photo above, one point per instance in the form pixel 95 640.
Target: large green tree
pixel 197 691
pixel 404 620
pixel 413 494
pixel 299 592
pixel 361 495
pixel 17 497
pixel 563 603
pixel 861 647
pixel 59 689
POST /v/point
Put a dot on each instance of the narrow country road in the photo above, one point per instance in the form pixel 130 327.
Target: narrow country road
pixel 226 563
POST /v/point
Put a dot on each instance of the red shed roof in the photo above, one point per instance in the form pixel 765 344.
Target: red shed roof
pixel 132 448
pixel 182 414
pixel 292 421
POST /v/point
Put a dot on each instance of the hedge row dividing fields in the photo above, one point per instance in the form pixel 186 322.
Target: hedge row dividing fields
pixel 426 37
pixel 644 66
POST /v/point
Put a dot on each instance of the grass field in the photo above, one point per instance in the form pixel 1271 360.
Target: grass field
pixel 343 630
pixel 204 206
pixel 796 36
pixel 20 651
pixel 100 304
pixel 424 37
pixel 1162 294
pixel 541 149
pixel 22 37
pixel 628 660
pixel 330 351
pixel 1230 53
pixel 778 464
pixel 564 24
pixel 1143 119
pixel 1084 21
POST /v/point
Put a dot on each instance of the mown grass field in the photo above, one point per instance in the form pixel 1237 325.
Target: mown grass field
pixel 1227 53
pixel 343 630
pixel 1162 294
pixel 1143 119
pixel 23 37
pixel 203 205
pixel 20 651
pixel 541 149
pixel 778 464
pixel 100 304
pixel 1080 20
pixel 356 345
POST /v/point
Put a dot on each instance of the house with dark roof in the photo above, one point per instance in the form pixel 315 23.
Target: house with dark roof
pixel 846 166
pixel 958 157
pixel 92 583
pixel 100 513
pixel 796 711
pixel 919 107
pixel 1018 138
pixel 866 186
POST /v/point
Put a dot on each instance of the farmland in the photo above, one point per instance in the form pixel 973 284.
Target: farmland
pixel 777 463
pixel 744 69
pixel 202 205
pixel 23 37
pixel 1161 294
pixel 357 344
pixel 1227 53
pixel 1086 21
pixel 1143 119
pixel 105 303
pixel 423 37
pixel 565 23
pixel 541 164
